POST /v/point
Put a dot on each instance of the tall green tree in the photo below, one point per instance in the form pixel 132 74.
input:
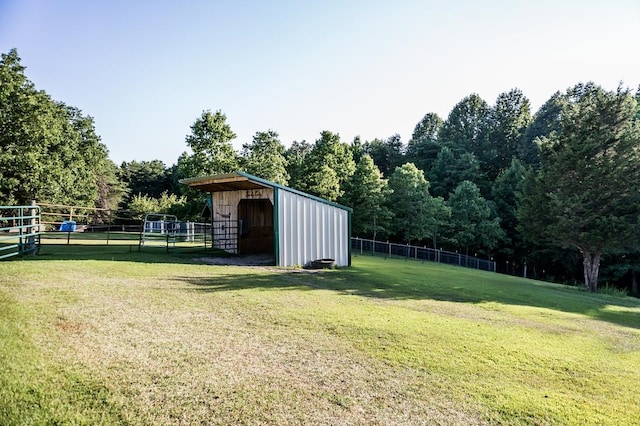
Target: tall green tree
pixel 545 121
pixel 467 127
pixel 586 193
pixel 150 178
pixel 296 156
pixel 504 192
pixel 48 151
pixel 210 143
pixel 472 226
pixel 212 153
pixel 329 163
pixel 424 146
pixel 510 118
pixel 365 192
pixel 264 157
pixel 415 217
pixel 449 169
pixel 387 154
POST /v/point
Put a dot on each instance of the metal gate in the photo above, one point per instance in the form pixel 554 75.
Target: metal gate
pixel 19 230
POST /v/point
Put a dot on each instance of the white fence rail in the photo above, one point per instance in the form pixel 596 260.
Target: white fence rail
pixel 364 246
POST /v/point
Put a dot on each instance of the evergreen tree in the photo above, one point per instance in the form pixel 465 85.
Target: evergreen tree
pixel 472 226
pixel 586 193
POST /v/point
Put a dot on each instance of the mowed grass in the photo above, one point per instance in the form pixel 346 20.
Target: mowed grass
pixel 101 335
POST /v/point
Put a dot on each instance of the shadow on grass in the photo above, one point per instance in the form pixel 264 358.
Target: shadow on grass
pixel 400 280
pixel 378 278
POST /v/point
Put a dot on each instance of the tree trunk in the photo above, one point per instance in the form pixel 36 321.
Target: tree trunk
pixel 591 265
pixel 634 283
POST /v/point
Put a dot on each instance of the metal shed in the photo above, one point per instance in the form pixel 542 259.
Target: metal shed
pixel 251 215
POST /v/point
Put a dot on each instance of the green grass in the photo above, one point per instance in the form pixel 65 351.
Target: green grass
pixel 101 335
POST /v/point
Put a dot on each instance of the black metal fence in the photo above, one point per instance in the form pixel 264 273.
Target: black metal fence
pixel 363 246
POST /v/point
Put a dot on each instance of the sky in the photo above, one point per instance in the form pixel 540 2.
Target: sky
pixel 146 70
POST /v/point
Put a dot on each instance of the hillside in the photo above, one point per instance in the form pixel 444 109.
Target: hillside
pixel 103 336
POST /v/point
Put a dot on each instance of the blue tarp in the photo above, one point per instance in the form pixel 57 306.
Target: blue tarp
pixel 68 226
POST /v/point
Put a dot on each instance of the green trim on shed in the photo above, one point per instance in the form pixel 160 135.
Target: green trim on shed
pixel 276 227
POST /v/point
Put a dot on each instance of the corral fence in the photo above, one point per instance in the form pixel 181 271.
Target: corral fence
pixel 387 249
pixel 89 225
pixel 19 230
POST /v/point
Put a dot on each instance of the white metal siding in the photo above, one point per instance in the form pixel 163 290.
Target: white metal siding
pixel 311 230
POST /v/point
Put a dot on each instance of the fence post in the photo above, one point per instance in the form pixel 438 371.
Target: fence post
pixel 31 229
pixel 389 247
pixel 525 269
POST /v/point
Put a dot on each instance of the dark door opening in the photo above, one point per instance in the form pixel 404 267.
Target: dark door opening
pixel 256 226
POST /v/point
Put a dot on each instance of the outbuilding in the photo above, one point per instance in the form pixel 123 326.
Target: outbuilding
pixel 251 215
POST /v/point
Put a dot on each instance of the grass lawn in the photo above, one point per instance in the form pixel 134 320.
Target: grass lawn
pixel 102 335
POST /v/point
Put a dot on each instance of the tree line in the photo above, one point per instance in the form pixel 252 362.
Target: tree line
pixel 557 190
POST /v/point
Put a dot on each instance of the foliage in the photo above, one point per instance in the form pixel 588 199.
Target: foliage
pixel 150 178
pixel 415 211
pixel 166 203
pixel 365 192
pixel 264 157
pixel 472 225
pixel 467 127
pixel 424 146
pixel 296 156
pixel 504 192
pixel 212 153
pixel 210 142
pixel 386 154
pixel 586 193
pixel 449 169
pixel 326 167
pixel 510 118
pixel 49 151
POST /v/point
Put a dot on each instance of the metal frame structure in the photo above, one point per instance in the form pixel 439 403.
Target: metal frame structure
pixel 19 230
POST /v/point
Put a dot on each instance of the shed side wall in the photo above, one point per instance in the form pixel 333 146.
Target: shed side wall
pixel 311 230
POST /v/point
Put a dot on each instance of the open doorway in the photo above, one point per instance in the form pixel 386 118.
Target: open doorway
pixel 256 226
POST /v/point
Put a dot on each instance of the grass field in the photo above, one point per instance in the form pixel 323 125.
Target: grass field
pixel 101 335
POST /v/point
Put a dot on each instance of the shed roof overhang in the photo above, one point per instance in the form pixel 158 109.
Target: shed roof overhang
pixel 224 182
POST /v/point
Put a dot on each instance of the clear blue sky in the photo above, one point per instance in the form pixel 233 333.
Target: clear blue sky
pixel 145 70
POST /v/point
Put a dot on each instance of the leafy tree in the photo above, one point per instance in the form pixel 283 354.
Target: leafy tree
pixel 212 153
pixel 166 203
pixel 48 150
pixel 365 192
pixel 504 192
pixel 510 118
pixel 424 146
pixel 328 153
pixel 448 170
pixel 545 121
pixel 323 182
pixel 210 142
pixel 413 207
pixel 150 178
pixel 467 127
pixel 472 224
pixel 264 157
pixel 386 154
pixel 586 193
pixel 296 156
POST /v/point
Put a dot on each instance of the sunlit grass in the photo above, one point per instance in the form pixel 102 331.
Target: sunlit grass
pixel 104 335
